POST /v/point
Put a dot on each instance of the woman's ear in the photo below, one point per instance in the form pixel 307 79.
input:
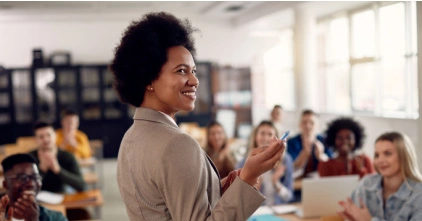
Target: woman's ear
pixel 149 87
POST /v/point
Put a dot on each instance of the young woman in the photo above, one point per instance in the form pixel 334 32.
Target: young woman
pixel 276 184
pixel 345 136
pixel 395 193
pixel 163 173
pixel 218 150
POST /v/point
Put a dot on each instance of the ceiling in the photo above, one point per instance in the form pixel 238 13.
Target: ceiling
pixel 257 14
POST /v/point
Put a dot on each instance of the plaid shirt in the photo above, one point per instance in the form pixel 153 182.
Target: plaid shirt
pixel 405 204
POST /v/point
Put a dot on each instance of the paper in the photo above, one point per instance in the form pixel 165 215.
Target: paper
pixel 49 197
pixel 283 209
pixel 265 217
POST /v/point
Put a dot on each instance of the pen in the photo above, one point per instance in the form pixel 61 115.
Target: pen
pixel 285 135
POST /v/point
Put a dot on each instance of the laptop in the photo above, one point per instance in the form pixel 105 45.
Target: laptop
pixel 320 196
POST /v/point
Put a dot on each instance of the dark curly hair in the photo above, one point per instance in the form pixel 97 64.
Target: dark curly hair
pixel 344 123
pixel 143 51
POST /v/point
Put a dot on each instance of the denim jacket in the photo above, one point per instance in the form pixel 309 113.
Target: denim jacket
pixel 405 204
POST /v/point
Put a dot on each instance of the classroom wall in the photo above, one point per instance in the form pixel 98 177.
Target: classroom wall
pixel 91 37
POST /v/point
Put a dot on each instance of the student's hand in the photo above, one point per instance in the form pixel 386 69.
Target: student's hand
pixel 352 212
pixel 279 171
pixel 27 208
pixel 307 144
pixel 69 139
pixel 4 201
pixel 319 151
pixel 54 164
pixel 262 159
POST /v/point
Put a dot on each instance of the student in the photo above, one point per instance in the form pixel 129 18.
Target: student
pixel 22 183
pixel 218 150
pixel 346 137
pixel 306 148
pixel 277 117
pixel 276 184
pixel 71 139
pixel 163 173
pixel 395 193
pixel 58 168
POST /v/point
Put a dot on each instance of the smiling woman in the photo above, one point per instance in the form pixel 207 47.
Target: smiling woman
pixel 163 173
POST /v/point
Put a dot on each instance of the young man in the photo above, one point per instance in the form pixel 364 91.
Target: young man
pixel 277 118
pixel 71 139
pixel 23 182
pixel 58 168
pixel 307 148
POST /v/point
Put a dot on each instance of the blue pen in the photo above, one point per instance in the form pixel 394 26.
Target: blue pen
pixel 285 135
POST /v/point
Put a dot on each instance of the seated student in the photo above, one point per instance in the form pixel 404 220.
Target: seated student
pixel 218 150
pixel 275 184
pixel 71 139
pixel 277 117
pixel 58 168
pixel 306 148
pixel 23 182
pixel 395 193
pixel 346 137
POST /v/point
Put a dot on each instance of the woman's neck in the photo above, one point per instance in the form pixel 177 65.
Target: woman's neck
pixel 392 184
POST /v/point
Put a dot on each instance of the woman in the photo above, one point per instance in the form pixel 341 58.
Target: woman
pixel 345 136
pixel 395 193
pixel 218 150
pixel 276 184
pixel 163 173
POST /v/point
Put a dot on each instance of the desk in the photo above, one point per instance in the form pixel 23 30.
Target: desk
pixel 90 198
pixel 297 185
pixel 294 217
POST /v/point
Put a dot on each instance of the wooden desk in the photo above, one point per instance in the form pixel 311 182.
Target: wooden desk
pixel 58 208
pixel 90 178
pixel 294 217
pixel 90 198
pixel 297 185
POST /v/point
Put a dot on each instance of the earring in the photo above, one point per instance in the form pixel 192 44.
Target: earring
pixel 151 88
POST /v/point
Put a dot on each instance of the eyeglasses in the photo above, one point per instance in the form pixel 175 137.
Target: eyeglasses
pixel 23 178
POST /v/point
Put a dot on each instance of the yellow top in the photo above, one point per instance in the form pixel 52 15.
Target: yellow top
pixel 82 151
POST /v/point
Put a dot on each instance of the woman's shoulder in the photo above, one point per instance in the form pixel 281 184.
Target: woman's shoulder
pixel 371 182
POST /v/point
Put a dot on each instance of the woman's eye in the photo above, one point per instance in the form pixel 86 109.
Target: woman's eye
pixel 194 72
pixel 182 71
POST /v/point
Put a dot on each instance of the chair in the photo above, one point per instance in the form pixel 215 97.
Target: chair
pixel 58 208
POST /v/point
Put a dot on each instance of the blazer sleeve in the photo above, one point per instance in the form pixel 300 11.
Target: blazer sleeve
pixel 184 181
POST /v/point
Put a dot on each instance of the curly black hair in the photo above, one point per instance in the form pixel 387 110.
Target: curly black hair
pixel 143 51
pixel 344 123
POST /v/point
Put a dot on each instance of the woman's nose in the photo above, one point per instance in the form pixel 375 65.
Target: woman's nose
pixel 193 80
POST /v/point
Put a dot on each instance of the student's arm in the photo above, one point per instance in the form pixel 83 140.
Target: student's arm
pixel 70 172
pixel 286 187
pixel 83 150
pixel 302 159
pixel 184 181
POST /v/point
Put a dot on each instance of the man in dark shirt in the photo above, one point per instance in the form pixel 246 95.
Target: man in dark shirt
pixel 23 182
pixel 58 168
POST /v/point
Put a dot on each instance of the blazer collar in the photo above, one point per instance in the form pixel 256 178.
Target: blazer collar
pixel 142 113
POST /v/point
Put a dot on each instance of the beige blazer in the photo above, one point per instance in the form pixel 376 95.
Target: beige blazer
pixel 163 174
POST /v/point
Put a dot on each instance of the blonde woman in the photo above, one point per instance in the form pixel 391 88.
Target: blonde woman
pixel 395 193
pixel 275 184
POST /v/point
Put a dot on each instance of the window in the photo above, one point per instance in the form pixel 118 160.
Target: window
pixel 279 73
pixel 368 61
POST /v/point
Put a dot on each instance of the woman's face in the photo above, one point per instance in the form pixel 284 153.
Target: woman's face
pixel 175 88
pixel 386 159
pixel 264 134
pixel 345 141
pixel 216 137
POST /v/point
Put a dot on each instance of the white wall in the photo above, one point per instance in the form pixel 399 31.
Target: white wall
pixel 91 37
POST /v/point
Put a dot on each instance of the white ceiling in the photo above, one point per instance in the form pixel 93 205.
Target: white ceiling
pixel 254 14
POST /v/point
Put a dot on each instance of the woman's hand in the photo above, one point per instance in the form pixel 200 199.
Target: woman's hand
pixel 4 201
pixel 352 212
pixel 262 159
